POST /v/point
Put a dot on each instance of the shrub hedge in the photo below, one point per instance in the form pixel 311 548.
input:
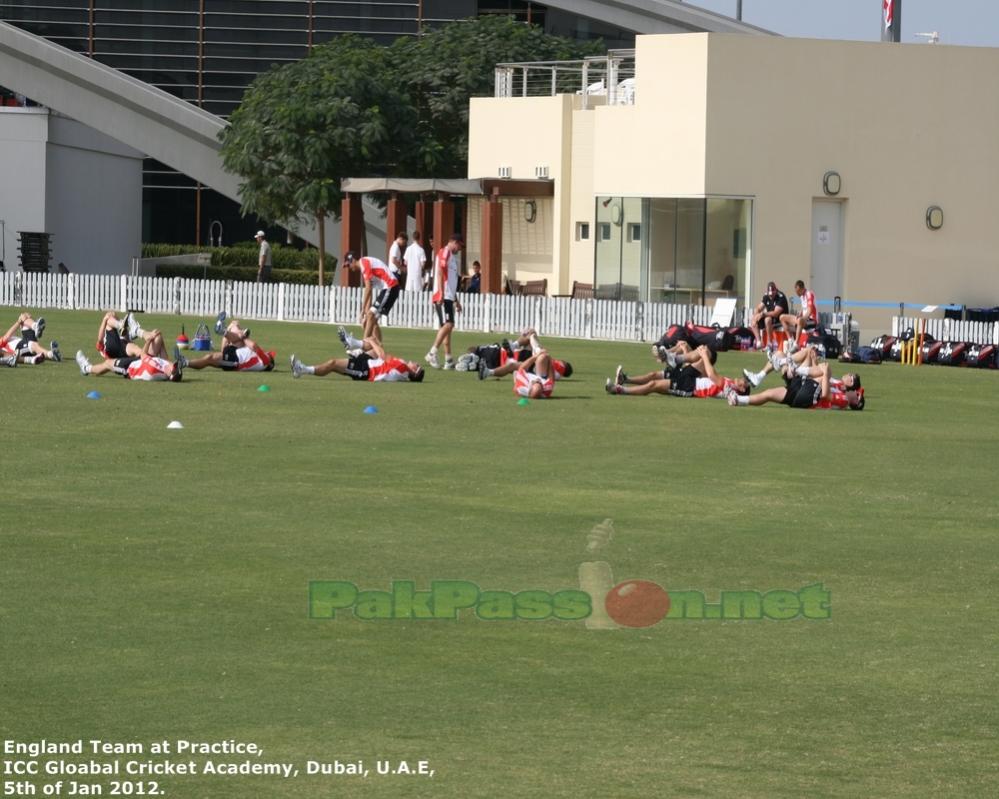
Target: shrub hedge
pixel 244 254
pixel 247 274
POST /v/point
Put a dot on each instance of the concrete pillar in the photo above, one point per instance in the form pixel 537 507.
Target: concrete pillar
pixel 492 246
pixel 443 220
pixel 351 234
pixel 396 219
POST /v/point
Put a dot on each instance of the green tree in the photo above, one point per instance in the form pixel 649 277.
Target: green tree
pixel 445 67
pixel 302 127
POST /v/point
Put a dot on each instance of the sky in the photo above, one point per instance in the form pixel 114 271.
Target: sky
pixel 964 22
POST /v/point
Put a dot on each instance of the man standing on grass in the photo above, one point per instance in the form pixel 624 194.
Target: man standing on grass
pixel 416 260
pixel 396 262
pixel 445 299
pixel 264 260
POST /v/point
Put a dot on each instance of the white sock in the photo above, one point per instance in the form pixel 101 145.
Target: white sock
pixel 309 370
pixel 760 376
pixel 802 370
pixel 433 351
pixel 354 343
pixel 116 324
pixel 140 332
pixel 741 399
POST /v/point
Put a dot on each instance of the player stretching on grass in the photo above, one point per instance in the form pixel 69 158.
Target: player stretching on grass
pixel 20 343
pixel 378 275
pixel 813 389
pixel 149 365
pixel 511 357
pixel 365 362
pixel 239 353
pixel 686 375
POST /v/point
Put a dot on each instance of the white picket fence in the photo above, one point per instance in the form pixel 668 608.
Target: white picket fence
pixel 950 329
pixel 550 316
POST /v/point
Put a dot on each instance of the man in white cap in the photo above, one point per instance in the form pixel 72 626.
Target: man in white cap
pixel 264 262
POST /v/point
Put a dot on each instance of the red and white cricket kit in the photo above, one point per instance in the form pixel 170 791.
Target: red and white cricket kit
pixel 9 345
pixel 523 380
pixel 559 368
pixel 377 273
pixel 149 368
pixel 808 305
pixel 837 398
pixel 387 370
pixel 706 387
pixel 251 360
pixel 445 275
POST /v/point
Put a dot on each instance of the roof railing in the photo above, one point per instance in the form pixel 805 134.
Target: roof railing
pixel 610 76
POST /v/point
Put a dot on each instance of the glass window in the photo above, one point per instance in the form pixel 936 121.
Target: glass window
pixel 684 250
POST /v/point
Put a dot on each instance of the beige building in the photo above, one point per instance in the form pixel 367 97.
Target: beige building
pixel 730 160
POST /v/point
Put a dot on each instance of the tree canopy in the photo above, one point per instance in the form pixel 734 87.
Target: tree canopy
pixel 353 107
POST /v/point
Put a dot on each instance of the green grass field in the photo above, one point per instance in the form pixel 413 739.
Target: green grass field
pixel 154 582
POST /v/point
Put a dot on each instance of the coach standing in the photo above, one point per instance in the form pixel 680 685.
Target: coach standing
pixel 265 260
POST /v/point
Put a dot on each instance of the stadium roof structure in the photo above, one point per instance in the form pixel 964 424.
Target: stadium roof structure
pixel 656 16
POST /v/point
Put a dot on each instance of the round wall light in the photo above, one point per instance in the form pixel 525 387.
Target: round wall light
pixel 530 211
pixel 934 217
pixel 831 183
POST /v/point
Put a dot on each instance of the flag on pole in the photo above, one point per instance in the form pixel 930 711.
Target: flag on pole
pixel 891 20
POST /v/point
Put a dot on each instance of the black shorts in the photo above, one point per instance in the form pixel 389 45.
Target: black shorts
pixel 386 299
pixel 682 379
pixel 445 312
pixel 357 366
pixel 114 345
pixel 230 360
pixel 120 365
pixel 27 335
pixel 802 392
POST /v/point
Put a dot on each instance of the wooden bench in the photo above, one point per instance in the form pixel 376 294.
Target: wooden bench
pixel 534 288
pixel 581 291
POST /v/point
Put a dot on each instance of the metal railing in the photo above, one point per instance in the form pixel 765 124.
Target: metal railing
pixel 610 77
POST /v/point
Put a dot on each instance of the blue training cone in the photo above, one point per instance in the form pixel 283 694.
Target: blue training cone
pixel 371 409
pixel 94 395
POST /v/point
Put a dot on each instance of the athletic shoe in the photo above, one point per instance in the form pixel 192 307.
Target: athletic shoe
pixel 619 376
pixel 449 364
pixel 132 326
pixel 246 332
pixel 752 377
pixel 341 333
pixel 612 388
pixel 483 370
pixel 670 358
pixel 56 355
pixel 431 358
pixel 178 369
pixel 660 352
pixel 733 399
pixel 505 344
pixel 9 360
pixel 296 366
pixel 220 322
pixel 39 326
pixel 82 362
pixel 178 356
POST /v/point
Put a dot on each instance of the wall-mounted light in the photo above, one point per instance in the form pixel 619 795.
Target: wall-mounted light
pixel 530 211
pixel 616 215
pixel 934 217
pixel 831 183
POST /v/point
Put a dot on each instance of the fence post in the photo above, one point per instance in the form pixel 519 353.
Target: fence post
pixel 588 317
pixel 539 316
pixel 229 288
pixel 280 302
pixel 487 305
pixel 123 298
pixel 639 320
pixel 71 291
pixel 18 293
pixel 178 291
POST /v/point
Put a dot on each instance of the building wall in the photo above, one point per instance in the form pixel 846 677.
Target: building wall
pixel 906 126
pixel 89 237
pixel 718 115
pixel 23 135
pixel 53 168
